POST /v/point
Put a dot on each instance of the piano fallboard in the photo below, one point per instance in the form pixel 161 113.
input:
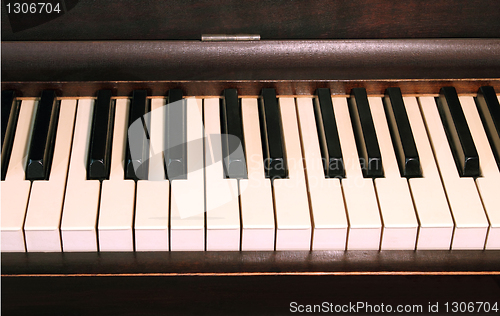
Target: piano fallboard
pixel 268 61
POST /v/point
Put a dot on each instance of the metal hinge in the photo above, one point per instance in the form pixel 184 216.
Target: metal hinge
pixel 228 37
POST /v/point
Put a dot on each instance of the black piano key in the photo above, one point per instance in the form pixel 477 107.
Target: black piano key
pixel 489 110
pixel 8 98
pixel 364 131
pixel 10 113
pixel 176 136
pixel 458 133
pixel 43 137
pixel 101 137
pixel 136 161
pixel 273 146
pixel 401 134
pixel 231 124
pixel 328 134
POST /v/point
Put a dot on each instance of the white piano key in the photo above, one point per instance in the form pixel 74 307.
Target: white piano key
pixel 116 213
pixel 187 205
pixel 293 221
pixel 257 212
pixel 43 216
pixel 395 202
pixel 79 217
pixel 151 217
pixel 489 182
pixel 471 224
pixel 222 205
pixel 16 190
pixel 433 212
pixel 152 200
pixel 361 202
pixel 327 202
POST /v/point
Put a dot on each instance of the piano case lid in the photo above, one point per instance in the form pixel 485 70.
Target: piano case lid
pixel 315 40
pixel 271 19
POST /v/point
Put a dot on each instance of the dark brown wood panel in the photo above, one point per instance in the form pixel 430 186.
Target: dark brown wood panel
pixel 272 19
pixel 250 262
pixel 256 295
pixel 312 60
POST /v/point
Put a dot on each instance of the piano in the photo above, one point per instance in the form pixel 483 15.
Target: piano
pixel 267 157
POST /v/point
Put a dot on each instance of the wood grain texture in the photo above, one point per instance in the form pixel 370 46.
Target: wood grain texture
pixel 272 19
pixel 315 60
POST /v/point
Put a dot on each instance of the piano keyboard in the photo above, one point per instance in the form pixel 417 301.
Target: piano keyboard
pixel 236 173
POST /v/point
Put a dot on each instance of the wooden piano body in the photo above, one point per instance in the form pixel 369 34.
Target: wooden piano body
pixel 123 45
